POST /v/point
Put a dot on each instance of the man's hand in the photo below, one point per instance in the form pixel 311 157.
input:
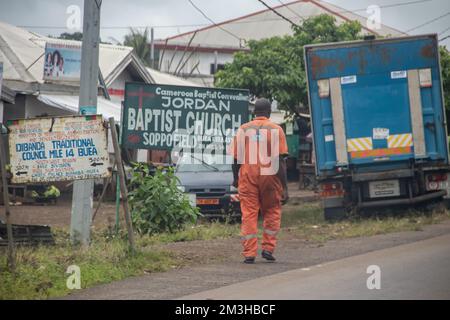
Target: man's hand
pixel 285 196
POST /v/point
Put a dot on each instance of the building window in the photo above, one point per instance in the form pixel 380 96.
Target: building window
pixel 220 66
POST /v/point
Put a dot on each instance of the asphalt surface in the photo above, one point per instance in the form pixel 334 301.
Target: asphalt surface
pixel 229 270
pixel 419 270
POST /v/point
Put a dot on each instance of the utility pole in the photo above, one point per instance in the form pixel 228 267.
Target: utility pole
pixel 83 190
pixel 152 48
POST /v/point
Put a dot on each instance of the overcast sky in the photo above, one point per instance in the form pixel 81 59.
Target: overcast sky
pixel 170 17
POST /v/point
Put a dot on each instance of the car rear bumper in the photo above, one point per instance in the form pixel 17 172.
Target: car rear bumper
pixel 227 205
pixel 408 201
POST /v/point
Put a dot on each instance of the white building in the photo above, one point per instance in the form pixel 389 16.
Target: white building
pixel 197 54
pixel 25 94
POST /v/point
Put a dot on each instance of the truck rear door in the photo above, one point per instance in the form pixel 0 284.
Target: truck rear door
pixel 376 103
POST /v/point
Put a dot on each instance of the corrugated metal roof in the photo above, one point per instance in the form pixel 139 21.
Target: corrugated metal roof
pixel 22 53
pixel 265 24
pixel 70 103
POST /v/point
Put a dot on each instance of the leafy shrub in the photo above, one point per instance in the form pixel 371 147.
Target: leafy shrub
pixel 50 192
pixel 157 204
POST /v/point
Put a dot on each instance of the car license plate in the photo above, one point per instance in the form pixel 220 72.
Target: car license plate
pixel 207 201
pixel 384 188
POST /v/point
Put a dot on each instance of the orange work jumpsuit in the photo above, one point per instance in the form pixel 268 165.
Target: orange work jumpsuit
pixel 259 187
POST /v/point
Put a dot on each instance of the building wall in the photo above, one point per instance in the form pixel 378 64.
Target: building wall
pixel 117 88
pixel 116 91
pixel 14 111
pixel 35 108
pixel 206 59
pixel 28 106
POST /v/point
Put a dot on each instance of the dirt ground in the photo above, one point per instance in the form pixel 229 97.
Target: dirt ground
pixel 217 263
pixel 58 215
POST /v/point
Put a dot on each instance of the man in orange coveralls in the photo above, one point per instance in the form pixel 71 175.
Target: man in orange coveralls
pixel 259 149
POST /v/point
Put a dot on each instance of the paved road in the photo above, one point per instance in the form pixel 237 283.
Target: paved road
pixel 227 267
pixel 419 270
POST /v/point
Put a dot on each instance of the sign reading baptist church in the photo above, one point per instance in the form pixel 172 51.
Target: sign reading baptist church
pixel 58 149
pixel 196 118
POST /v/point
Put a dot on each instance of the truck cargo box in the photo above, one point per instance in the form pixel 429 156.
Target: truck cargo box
pixel 377 108
pixel 376 101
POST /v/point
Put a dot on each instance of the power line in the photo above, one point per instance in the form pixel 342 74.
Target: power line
pixel 444 38
pixel 443 31
pixel 122 27
pixel 290 9
pixel 234 22
pixel 392 5
pixel 215 24
pixel 429 21
pixel 277 13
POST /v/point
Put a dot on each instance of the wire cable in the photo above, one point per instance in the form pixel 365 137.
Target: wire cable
pixel 278 14
pixel 287 5
pixel 234 22
pixel 210 20
pixel 428 22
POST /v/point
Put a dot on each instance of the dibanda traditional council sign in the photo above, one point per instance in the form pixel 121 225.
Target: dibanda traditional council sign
pixel 58 149
pixel 165 117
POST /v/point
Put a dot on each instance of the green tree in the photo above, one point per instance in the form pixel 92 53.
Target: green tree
pixel 445 67
pixel 71 36
pixel 78 36
pixel 139 41
pixel 271 67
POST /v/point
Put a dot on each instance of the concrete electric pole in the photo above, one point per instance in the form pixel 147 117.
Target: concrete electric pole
pixel 152 48
pixel 83 189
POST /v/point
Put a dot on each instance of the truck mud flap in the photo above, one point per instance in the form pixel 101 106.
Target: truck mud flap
pixel 409 201
pixel 27 235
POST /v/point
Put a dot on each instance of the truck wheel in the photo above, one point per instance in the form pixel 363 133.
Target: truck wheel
pixel 334 214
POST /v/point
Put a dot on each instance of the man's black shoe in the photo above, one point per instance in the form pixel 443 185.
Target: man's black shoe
pixel 249 260
pixel 267 255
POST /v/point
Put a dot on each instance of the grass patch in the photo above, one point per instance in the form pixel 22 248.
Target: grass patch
pixel 41 270
pixel 307 222
pixel 208 231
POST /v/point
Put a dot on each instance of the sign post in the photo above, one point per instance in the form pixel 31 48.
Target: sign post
pixel 168 117
pixel 123 185
pixel 11 254
pixel 58 149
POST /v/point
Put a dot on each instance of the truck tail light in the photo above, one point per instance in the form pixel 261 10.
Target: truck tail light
pixel 331 189
pixel 435 177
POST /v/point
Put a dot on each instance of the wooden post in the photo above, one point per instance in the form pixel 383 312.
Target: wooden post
pixel 123 185
pixel 11 254
pixel 105 187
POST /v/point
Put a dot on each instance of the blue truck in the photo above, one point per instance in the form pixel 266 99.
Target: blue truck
pixel 378 122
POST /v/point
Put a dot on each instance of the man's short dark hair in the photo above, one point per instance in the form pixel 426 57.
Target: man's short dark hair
pixel 263 105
